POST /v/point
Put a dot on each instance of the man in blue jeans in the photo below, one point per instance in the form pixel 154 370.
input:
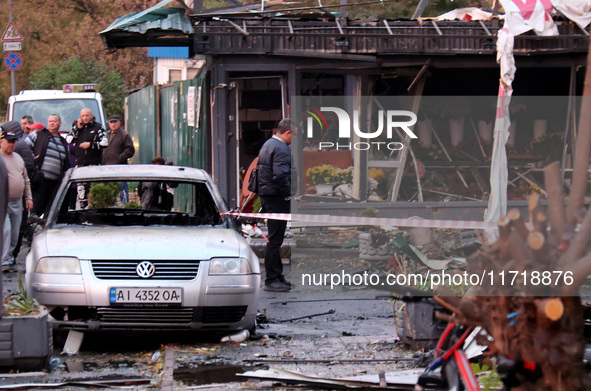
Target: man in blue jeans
pixel 275 191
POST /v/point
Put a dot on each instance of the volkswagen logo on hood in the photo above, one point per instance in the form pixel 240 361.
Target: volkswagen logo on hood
pixel 145 269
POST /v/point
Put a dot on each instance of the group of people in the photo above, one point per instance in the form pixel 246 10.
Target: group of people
pixel 36 158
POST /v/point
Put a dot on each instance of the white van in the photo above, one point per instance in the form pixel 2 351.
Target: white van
pixel 68 103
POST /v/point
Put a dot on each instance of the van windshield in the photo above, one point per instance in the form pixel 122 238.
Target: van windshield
pixel 67 109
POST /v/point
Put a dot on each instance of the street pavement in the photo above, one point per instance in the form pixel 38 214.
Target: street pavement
pixel 314 330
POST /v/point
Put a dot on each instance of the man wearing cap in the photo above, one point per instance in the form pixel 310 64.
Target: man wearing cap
pixel 51 158
pixel 18 185
pixel 23 150
pixel 35 127
pixel 120 149
pixel 21 146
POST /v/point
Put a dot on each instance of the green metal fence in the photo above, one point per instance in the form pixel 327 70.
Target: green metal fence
pixel 142 124
pixel 183 125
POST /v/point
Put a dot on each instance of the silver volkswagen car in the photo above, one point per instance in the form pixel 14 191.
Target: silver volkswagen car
pixel 167 259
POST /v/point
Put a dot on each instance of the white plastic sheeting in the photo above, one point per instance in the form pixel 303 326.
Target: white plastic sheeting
pixel 579 11
pixel 466 14
pixel 525 15
pixel 521 16
pixel 497 202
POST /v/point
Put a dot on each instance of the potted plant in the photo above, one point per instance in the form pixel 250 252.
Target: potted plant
pixel 103 195
pixel 26 332
pixel 323 177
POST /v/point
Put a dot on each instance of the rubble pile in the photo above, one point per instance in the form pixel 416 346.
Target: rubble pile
pixel 528 303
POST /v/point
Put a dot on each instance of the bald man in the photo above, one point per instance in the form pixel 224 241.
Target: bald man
pixel 89 138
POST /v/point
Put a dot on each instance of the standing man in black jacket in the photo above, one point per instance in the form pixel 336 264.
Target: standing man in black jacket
pixel 89 139
pixel 275 191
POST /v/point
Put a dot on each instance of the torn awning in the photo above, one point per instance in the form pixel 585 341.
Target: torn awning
pixel 155 26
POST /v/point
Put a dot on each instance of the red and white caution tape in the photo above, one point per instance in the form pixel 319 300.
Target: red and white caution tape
pixel 350 220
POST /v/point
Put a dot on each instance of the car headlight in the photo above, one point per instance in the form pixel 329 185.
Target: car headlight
pixel 229 266
pixel 58 265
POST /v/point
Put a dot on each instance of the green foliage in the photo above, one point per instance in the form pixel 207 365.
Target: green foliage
pixel 488 378
pixel 399 9
pixel 370 212
pixel 103 194
pixel 53 76
pixel 55 31
pixel 439 7
pixel 132 185
pixel 321 174
pixel 20 303
pixel 132 205
pixel 330 174
pixel 256 206
pixel 428 283
pixel 344 175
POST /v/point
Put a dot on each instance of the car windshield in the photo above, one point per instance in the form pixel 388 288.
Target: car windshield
pixel 67 109
pixel 126 203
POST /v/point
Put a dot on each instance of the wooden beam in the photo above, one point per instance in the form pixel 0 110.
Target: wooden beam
pixel 485 28
pixel 419 75
pixel 436 27
pixel 240 29
pixel 388 27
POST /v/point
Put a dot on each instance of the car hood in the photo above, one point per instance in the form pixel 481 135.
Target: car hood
pixel 141 242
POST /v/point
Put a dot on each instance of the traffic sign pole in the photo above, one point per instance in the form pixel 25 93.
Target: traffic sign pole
pixel 13 81
pixel 11 40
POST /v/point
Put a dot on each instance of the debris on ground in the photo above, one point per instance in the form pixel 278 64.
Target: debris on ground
pixel 392 381
pixel 73 342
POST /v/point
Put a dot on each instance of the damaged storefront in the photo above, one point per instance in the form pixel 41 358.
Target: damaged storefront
pixel 263 66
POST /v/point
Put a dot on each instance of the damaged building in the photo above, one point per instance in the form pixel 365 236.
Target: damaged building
pixel 261 65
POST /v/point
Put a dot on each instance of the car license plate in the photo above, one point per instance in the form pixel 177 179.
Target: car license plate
pixel 145 295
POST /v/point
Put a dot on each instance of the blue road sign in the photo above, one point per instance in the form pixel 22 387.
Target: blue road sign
pixel 13 61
